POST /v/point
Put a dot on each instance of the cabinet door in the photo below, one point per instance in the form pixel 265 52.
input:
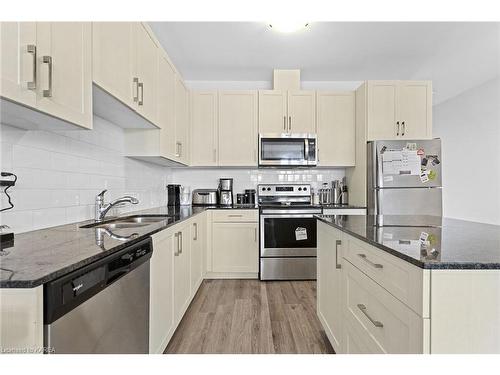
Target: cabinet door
pixel 302 111
pixel 238 128
pixel 166 106
pixel 161 309
pixel 382 110
pixel 147 73
pixel 198 242
pixel 18 62
pixel 182 268
pixel 329 283
pixel 181 120
pixel 203 143
pixel 235 247
pixel 114 58
pixel 415 109
pixel 64 84
pixel 336 128
pixel 272 112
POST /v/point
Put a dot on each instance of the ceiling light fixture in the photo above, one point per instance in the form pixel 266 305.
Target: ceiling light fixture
pixel 288 26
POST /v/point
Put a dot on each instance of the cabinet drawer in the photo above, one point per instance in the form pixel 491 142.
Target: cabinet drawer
pixel 375 313
pixel 230 215
pixel 405 281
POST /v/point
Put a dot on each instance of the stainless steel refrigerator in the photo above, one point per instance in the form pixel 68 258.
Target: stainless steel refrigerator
pixel 404 177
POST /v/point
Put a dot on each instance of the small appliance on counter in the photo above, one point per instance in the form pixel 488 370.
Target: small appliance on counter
pixel 204 197
pixel 173 195
pixel 225 191
pixel 185 195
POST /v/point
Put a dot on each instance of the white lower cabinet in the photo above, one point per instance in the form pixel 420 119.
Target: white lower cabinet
pixel 383 322
pixel 161 310
pixel 359 305
pixel 198 246
pixel 182 270
pixel 329 287
pixel 235 244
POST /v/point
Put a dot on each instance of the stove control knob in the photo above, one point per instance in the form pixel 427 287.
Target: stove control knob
pixel 263 189
pixel 268 189
pixel 300 189
pixel 305 188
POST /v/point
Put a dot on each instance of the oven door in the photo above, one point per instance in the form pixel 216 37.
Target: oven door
pixel 289 235
pixel 294 150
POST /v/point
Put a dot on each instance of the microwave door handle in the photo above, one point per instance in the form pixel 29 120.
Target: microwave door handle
pixel 306 149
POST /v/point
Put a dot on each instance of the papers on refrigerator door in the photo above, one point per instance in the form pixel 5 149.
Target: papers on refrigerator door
pixel 401 162
pixel 300 234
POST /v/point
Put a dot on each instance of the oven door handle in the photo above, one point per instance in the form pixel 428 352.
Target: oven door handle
pixel 275 214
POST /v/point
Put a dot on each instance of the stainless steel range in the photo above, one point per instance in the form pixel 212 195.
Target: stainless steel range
pixel 287 232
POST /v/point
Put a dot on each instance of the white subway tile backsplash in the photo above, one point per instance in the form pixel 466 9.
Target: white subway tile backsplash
pixel 61 172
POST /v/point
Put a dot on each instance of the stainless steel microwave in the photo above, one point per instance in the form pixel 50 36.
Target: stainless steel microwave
pixel 294 150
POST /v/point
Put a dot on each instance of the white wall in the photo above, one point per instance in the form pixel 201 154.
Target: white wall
pixel 208 178
pixel 469 125
pixel 60 172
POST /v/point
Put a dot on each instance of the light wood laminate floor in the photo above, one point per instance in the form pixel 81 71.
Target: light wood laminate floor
pixel 250 316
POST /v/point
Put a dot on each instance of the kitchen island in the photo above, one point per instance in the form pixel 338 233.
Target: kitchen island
pixel 409 284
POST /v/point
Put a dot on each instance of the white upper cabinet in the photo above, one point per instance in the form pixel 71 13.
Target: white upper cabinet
pixel 18 52
pixel 301 111
pixel 273 116
pixel 238 128
pixel 166 106
pixel 64 49
pixel 146 73
pixel 204 119
pixel 336 128
pixel 399 109
pixel 287 111
pixel 114 58
pixel 415 109
pixel 47 66
pixel 181 121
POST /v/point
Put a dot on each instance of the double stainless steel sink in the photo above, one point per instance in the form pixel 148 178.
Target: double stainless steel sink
pixel 133 221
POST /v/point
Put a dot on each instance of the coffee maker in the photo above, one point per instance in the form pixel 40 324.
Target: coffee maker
pixel 225 191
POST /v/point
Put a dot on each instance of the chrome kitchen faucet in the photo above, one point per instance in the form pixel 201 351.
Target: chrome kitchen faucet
pixel 102 209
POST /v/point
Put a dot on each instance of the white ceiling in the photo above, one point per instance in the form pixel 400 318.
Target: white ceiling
pixel 455 56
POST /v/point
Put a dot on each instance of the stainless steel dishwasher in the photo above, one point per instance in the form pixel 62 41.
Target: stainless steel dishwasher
pixel 102 307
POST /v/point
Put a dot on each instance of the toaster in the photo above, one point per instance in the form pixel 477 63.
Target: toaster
pixel 204 197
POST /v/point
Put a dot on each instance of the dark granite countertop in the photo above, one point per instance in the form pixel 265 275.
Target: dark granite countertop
pixel 426 241
pixel 46 254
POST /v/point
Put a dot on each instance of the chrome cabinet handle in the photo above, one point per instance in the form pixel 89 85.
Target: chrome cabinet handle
pixel 255 235
pixel 195 225
pixel 234 215
pixel 48 60
pixel 376 323
pixel 178 149
pixel 176 236
pixel 136 83
pixel 403 128
pixel 215 154
pixel 375 265
pixel 180 243
pixel 31 49
pixel 284 123
pixel 397 126
pixel 140 86
pixel 254 155
pixel 289 123
pixel 337 244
